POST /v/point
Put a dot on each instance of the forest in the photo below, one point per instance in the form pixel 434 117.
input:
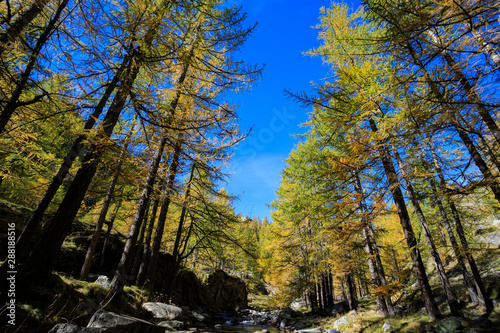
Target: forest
pixel 116 133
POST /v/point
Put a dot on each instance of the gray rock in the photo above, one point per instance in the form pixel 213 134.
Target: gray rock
pixel 448 325
pixel 493 238
pixel 200 316
pixel 103 281
pixel 353 313
pixel 340 322
pixel 331 330
pixel 71 328
pixel 311 330
pixel 163 311
pixel 173 325
pixel 387 326
pixel 298 326
pixel 113 322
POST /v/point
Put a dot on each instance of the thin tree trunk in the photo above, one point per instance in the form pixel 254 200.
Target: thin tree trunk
pixel 351 292
pixel 482 296
pixel 397 195
pixel 176 253
pixel 118 280
pixel 84 272
pixel 139 247
pixel 108 232
pixel 445 282
pixel 155 251
pixel 146 252
pixel 446 222
pixel 458 254
pixel 370 252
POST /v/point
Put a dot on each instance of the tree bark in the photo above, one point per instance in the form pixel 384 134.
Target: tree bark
pixel 445 282
pixel 169 191
pixel 146 251
pixel 84 272
pixel 108 232
pixel 176 253
pixel 397 195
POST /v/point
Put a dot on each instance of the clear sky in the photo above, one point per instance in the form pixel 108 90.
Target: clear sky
pixel 284 32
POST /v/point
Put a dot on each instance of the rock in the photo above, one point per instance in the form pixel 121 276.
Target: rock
pixel 353 313
pixel 71 328
pixel 283 323
pixel 163 311
pixel 227 292
pixel 113 322
pixel 492 238
pixel 201 316
pixel 103 281
pixel 448 325
pixel 331 330
pixel 387 326
pixel 340 322
pixel 172 325
pixel 341 307
pixel 311 330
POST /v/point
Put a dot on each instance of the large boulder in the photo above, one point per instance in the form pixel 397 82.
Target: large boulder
pixel 112 322
pixel 227 292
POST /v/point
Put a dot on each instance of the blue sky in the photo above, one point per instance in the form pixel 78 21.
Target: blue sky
pixel 284 31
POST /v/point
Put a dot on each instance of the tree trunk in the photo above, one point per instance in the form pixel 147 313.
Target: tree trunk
pixel 480 164
pixel 105 207
pixel 146 251
pixel 445 282
pixel 139 247
pixel 484 298
pixel 447 225
pixel 176 253
pixel 169 191
pixel 351 292
pixel 397 195
pixel 370 252
pixel 118 279
pixel 108 232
